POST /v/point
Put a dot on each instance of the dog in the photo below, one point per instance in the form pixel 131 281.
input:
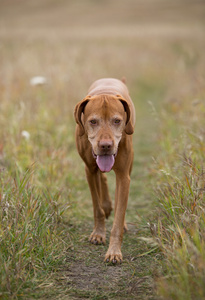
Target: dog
pixel 105 123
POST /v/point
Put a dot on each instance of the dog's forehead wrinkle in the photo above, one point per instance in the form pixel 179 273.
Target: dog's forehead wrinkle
pixel 105 101
pixel 104 109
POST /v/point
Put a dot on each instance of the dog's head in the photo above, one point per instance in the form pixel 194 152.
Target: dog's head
pixel 104 119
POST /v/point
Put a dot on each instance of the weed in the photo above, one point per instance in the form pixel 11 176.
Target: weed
pixel 159 49
pixel 30 235
pixel 181 210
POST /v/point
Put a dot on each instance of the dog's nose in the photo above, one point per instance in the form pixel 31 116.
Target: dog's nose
pixel 105 145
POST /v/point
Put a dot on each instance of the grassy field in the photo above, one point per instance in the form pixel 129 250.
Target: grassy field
pixel 45 206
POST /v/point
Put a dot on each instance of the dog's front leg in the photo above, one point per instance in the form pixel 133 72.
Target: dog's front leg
pixel 98 235
pixel 114 253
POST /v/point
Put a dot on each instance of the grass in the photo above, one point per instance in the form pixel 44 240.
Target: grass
pixel 32 242
pixel 181 219
pixel 45 207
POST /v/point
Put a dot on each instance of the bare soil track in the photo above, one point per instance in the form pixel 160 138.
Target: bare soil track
pixel 86 275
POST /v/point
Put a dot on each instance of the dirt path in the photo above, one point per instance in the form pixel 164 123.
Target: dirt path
pixel 84 274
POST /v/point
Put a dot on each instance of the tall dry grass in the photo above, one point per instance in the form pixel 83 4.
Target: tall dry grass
pixel 180 230
pixel 160 50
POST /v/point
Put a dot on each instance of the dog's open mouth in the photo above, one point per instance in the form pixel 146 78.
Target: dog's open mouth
pixel 105 162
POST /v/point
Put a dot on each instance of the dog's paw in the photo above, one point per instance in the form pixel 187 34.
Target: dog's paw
pixel 97 238
pixel 113 256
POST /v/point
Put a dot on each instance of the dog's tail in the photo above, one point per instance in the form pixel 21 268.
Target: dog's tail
pixel 123 79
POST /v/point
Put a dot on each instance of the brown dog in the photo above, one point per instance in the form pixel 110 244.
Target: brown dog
pixel 105 124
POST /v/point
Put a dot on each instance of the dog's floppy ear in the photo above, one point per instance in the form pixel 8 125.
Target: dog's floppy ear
pixel 79 109
pixel 129 129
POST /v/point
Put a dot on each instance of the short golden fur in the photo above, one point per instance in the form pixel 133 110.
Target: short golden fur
pixel 105 123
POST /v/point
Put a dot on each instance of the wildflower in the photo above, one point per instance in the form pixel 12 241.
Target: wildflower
pixel 25 134
pixel 38 80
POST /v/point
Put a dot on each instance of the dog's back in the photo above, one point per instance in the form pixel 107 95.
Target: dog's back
pixel 112 86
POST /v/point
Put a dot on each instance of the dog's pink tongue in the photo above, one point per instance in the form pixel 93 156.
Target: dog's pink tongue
pixel 105 162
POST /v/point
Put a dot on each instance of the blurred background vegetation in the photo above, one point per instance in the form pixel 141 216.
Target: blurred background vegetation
pixel 159 47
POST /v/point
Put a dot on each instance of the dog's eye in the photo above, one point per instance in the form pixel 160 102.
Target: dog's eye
pixel 117 121
pixel 93 122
